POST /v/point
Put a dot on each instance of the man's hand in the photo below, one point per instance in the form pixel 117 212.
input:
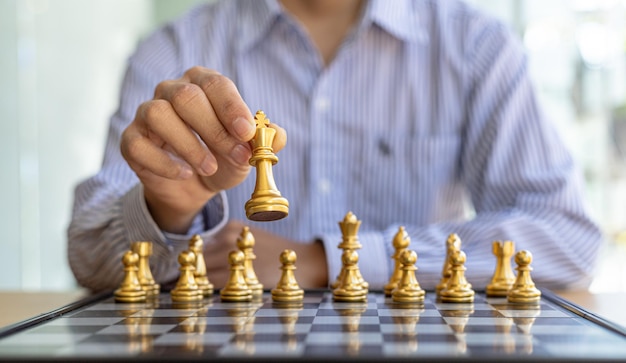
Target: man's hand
pixel 189 143
pixel 311 268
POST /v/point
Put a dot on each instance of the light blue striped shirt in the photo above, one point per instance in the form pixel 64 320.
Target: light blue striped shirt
pixel 426 118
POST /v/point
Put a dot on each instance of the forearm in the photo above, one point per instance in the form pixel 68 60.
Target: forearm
pixel 104 225
pixel 100 233
pixel 564 246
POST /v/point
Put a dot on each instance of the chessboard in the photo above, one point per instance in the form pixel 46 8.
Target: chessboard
pixel 318 328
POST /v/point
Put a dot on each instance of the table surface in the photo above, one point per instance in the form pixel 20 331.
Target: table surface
pixel 23 305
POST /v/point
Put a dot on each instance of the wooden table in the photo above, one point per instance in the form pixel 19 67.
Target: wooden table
pixel 611 306
pixel 16 306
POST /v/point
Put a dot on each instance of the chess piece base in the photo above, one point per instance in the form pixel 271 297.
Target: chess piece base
pixel 130 296
pixel 388 289
pixel 186 296
pixel 407 296
pixel 153 290
pixel 267 208
pixel 524 297
pixel 349 296
pixel 499 290
pixel 280 295
pixel 236 296
pixel 457 296
pixel 256 289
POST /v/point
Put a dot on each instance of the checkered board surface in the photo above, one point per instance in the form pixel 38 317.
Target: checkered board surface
pixel 318 329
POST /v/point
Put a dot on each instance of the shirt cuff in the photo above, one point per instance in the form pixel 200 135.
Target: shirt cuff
pixel 141 227
pixel 374 261
pixel 211 219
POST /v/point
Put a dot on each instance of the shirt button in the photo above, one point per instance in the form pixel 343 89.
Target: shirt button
pixel 324 186
pixel 322 104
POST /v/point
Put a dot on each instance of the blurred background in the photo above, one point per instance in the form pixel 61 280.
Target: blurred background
pixel 62 62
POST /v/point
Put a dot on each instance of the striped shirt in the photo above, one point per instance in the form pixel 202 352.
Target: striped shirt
pixel 426 118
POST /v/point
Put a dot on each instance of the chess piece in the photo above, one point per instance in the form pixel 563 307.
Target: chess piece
pixel 287 289
pixel 245 243
pixel 503 276
pixel 144 250
pixel 458 290
pixel 401 242
pixel 351 287
pixel 266 203
pixel 130 290
pixel 408 290
pixel 523 289
pixel 236 288
pixel 349 241
pixel 453 243
pixel 186 289
pixel 196 245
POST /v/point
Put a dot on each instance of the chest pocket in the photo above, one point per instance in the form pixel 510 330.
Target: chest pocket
pixel 401 178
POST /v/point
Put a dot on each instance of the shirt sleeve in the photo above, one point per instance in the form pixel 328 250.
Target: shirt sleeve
pixel 109 210
pixel 522 184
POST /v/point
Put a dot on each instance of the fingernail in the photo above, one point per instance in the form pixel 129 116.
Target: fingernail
pixel 243 128
pixel 208 166
pixel 241 154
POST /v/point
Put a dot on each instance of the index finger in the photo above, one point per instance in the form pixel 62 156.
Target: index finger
pixel 226 101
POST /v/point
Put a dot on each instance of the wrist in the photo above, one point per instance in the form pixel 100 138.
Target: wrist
pixel 172 218
pixel 314 261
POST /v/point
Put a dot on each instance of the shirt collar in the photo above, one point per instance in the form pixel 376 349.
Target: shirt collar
pixel 399 18
pixel 257 17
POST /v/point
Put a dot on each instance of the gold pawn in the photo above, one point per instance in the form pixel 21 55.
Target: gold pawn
pixel 287 289
pixel 453 243
pixel 503 276
pixel 458 290
pixel 196 245
pixel 401 242
pixel 408 289
pixel 186 289
pixel 524 290
pixel 350 289
pixel 236 288
pixel 144 250
pixel 245 243
pixel 266 203
pixel 130 290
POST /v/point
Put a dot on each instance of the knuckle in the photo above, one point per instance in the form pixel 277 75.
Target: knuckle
pixel 154 110
pixel 162 88
pixel 197 71
pixel 184 94
pixel 214 82
pixel 131 145
pixel 177 93
pixel 220 136
pixel 229 106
